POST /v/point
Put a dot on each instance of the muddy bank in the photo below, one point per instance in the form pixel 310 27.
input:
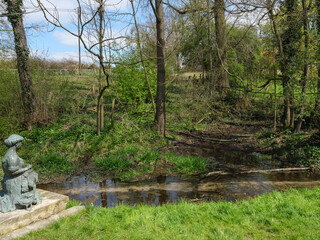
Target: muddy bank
pixel 231 136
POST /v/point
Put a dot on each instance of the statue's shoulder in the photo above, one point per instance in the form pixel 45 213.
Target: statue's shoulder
pixel 10 157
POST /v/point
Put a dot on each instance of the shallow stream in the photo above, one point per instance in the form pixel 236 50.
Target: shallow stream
pixel 168 189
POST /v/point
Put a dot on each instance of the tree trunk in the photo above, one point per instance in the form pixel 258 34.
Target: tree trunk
pixel 30 106
pixel 100 112
pixel 286 95
pixel 306 65
pixel 161 72
pixel 220 23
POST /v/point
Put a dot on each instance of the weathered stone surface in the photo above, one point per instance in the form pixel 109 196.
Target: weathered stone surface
pixel 19 181
pixel 52 203
pixel 41 224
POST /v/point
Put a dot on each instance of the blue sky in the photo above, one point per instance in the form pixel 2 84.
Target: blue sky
pixel 56 43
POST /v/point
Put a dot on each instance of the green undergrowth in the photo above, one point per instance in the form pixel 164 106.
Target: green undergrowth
pixel 131 148
pixel 187 164
pixel 293 214
pixel 301 149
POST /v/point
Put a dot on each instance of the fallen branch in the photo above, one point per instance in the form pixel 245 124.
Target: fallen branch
pixel 262 171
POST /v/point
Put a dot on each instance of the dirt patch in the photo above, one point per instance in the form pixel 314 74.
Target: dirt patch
pixel 230 136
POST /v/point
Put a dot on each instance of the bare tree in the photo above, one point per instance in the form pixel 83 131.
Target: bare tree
pixel 94 16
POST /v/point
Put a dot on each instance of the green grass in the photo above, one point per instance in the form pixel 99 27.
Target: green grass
pixel 187 164
pixel 132 148
pixel 293 214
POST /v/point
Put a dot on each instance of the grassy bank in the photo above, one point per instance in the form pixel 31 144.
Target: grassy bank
pixel 293 214
pixel 130 149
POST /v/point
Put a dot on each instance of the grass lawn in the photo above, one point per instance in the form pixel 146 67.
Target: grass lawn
pixel 293 214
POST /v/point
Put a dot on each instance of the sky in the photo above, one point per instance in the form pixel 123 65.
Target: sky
pixel 56 43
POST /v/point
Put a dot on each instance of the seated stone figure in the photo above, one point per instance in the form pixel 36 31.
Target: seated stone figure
pixel 19 182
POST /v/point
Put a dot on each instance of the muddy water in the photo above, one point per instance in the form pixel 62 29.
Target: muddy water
pixel 169 189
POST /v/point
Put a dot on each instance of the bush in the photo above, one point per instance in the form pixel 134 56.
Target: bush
pixel 131 83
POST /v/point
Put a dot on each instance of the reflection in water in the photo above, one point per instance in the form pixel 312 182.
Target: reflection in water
pixel 169 189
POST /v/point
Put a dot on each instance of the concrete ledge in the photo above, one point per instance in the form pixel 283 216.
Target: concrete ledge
pixel 41 224
pixel 52 203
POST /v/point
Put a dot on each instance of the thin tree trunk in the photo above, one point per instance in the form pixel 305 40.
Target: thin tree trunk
pixel 275 91
pixel 220 23
pixel 112 113
pixel 161 72
pixel 30 106
pixel 286 94
pixel 100 112
pixel 79 41
pixel 306 66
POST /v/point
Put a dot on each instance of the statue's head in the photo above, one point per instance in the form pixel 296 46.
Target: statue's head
pixel 13 140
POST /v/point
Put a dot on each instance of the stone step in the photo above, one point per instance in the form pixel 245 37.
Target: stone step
pixel 41 224
pixel 52 203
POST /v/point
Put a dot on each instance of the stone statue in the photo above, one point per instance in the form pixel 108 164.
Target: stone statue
pixel 19 182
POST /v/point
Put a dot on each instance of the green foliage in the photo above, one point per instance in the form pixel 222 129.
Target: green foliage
pixel 305 155
pixel 187 164
pixel 130 81
pixel 195 41
pixel 118 161
pixel 56 96
pixel 244 56
pixel 293 214
pixel 53 162
pixel 128 161
pixel 301 149
pixel 11 112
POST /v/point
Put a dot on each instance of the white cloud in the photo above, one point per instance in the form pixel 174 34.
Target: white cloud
pixel 66 10
pixel 65 38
